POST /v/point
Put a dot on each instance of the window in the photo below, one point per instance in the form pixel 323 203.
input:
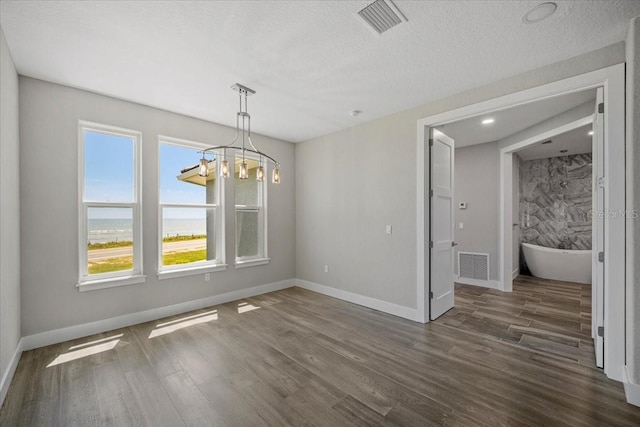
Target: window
pixel 191 212
pixel 251 216
pixel 109 191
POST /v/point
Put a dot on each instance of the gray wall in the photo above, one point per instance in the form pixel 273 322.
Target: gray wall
pixel 49 115
pixel 633 202
pixel 9 209
pixel 351 183
pixel 477 182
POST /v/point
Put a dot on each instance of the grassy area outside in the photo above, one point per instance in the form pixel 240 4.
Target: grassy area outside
pixel 112 264
pixel 126 262
pixel 180 238
pixel 173 258
pixel 124 243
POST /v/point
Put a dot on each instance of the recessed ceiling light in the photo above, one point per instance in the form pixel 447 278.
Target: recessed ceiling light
pixel 590 132
pixel 488 121
pixel 540 12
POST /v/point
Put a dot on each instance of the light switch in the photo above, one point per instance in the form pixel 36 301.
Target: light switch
pixel 388 229
pixel 461 225
pixel 462 205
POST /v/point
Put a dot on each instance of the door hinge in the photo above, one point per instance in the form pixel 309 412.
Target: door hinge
pixel 430 193
pixel 601 331
pixel 601 108
pixel 430 295
pixel 430 142
pixel 601 182
pixel 431 244
pixel 601 256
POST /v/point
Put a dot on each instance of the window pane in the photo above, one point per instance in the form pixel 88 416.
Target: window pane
pixel 188 235
pixel 247 233
pixel 108 167
pixel 109 240
pixel 180 181
pixel 246 189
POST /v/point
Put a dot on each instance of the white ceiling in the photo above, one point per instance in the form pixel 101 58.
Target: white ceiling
pixel 471 131
pixel 311 62
pixel 576 141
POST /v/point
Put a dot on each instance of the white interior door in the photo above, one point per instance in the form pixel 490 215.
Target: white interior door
pixel 441 228
pixel 597 227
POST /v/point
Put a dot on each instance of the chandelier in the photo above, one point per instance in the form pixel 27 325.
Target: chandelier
pixel 247 146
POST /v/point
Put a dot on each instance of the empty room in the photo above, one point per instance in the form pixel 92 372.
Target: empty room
pixel 319 213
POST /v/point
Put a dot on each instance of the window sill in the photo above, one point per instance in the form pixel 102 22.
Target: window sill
pixel 252 262
pixel 94 285
pixel 172 274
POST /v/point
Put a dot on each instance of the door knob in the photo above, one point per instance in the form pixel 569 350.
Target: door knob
pixel 454 244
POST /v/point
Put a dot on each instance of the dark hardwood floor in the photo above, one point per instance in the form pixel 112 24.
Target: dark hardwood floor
pixel 295 357
pixel 550 317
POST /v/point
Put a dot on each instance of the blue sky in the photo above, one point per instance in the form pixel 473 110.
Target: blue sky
pixel 109 175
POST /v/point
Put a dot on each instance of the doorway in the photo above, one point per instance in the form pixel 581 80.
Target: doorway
pixel 612 80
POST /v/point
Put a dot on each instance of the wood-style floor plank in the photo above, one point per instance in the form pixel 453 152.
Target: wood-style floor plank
pixel 297 358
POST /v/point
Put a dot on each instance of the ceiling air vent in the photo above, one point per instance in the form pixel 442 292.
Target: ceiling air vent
pixel 382 15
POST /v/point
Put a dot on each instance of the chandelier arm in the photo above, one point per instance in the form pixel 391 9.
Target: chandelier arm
pixel 206 150
pixel 233 147
pixel 251 143
pixel 260 153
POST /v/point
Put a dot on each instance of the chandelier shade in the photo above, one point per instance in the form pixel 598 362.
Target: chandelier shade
pixel 243 143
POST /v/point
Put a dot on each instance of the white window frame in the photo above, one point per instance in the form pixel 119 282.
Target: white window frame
pixel 263 256
pixel 199 267
pixel 86 281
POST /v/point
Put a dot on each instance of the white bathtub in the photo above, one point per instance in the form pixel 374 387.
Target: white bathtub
pixel 558 264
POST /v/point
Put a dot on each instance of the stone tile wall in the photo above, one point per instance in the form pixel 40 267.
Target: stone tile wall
pixel 555 202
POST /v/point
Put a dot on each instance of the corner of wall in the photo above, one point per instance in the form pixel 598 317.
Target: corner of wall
pixel 10 301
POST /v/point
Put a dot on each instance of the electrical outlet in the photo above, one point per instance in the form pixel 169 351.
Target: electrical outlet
pixel 207 277
pixel 388 229
pixel 326 268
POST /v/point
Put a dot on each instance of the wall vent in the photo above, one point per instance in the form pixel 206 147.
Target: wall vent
pixel 473 265
pixel 382 15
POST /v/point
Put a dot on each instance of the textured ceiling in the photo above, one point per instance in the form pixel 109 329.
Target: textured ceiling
pixel 507 122
pixel 576 141
pixel 311 62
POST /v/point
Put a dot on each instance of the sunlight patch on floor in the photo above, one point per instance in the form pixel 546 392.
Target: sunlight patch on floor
pixel 243 307
pixel 87 349
pixel 184 322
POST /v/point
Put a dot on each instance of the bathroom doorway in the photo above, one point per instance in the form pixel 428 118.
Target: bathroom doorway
pixel 551 147
pixel 491 261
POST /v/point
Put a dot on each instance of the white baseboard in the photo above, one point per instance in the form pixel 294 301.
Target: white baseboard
pixel 78 331
pixel 376 304
pixel 492 284
pixel 515 273
pixel 631 390
pixel 7 375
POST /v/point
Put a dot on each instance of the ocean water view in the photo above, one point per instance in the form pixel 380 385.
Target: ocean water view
pixel 102 230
